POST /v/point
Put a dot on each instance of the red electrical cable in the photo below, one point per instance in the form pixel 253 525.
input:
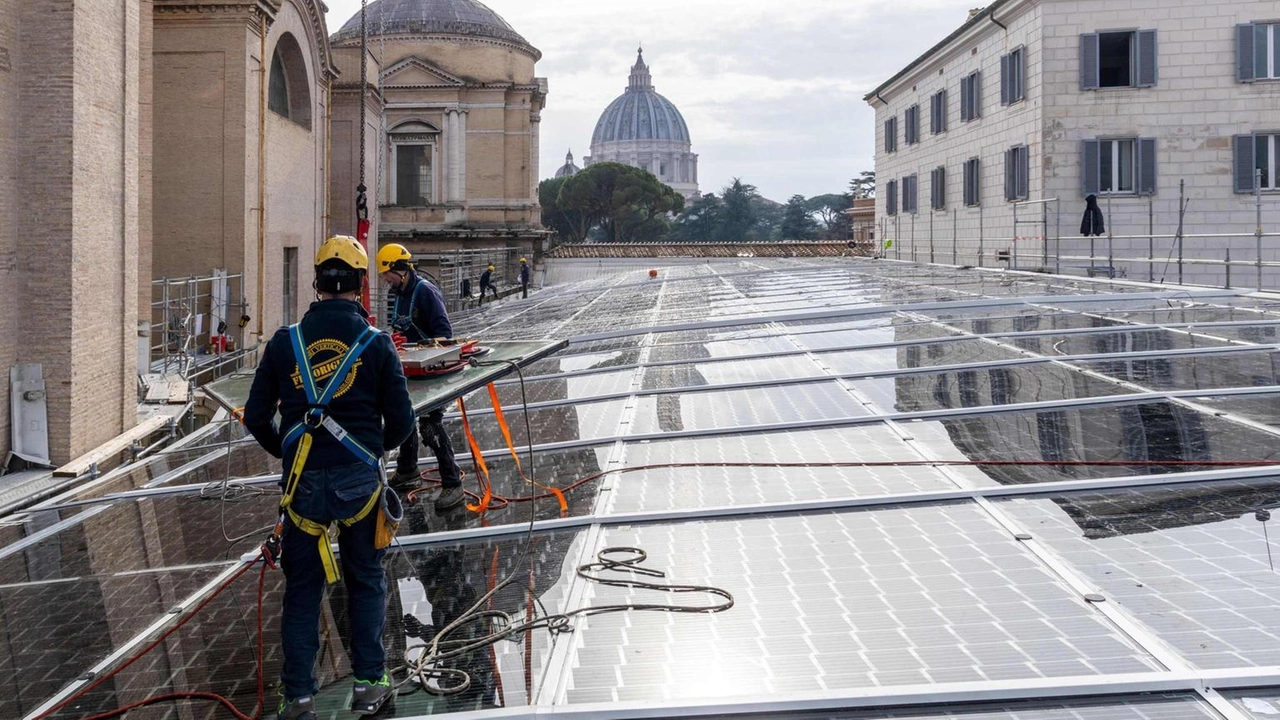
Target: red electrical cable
pixel 172 697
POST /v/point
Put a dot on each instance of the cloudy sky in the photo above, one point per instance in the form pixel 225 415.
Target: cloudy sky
pixel 772 91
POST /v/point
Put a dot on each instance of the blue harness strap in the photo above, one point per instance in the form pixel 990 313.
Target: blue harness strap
pixel 318 400
pixel 406 319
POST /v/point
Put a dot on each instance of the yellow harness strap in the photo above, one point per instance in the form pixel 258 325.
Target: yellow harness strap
pixel 321 533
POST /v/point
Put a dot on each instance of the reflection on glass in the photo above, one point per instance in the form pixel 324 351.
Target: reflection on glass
pixel 1196 562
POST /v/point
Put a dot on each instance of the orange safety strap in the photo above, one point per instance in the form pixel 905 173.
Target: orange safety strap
pixel 483 475
pixel 506 434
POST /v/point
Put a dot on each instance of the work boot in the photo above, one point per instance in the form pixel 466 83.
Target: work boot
pixel 302 708
pixel 368 698
pixel 450 498
pixel 403 482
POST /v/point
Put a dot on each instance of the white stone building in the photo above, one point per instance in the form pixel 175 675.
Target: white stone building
pixel 644 129
pixel 1039 103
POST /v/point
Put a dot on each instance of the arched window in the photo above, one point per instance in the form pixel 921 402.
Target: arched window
pixel 288 93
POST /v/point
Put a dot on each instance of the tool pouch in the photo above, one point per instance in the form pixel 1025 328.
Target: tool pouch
pixel 390 513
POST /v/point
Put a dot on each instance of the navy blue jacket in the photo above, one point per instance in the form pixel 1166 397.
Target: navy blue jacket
pixel 421 318
pixel 524 274
pixel 486 279
pixel 375 408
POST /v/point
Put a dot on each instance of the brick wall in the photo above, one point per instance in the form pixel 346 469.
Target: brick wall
pixel 10 279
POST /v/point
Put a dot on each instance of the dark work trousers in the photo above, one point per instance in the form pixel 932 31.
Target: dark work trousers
pixel 326 495
pixel 524 290
pixel 488 288
pixel 430 431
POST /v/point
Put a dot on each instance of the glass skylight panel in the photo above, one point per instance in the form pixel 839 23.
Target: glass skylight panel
pixel 982 387
pixel 832 601
pixel 1147 434
pixel 585 421
pixel 739 408
pixel 684 487
pixel 958 352
pixel 1142 340
pixel 1192 562
pixel 1263 409
pixel 1141 707
pixel 1194 372
pixel 724 372
pixel 59 627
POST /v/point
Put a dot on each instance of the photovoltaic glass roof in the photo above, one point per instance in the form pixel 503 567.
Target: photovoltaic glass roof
pixel 931 492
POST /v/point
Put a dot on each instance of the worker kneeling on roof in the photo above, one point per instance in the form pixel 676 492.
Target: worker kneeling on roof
pixel 343 402
pixel 417 310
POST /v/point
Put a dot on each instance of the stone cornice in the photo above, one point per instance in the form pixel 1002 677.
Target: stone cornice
pixel 258 14
pixel 525 49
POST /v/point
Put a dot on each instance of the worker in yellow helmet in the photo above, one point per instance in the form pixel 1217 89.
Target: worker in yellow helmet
pixel 417 310
pixel 487 284
pixel 343 403
pixel 524 277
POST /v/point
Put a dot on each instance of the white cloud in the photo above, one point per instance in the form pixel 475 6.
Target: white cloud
pixel 772 92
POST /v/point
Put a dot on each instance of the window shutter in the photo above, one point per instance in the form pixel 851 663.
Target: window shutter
pixel 1089 61
pixel 1148 65
pixel 1010 174
pixel 975 103
pixel 1004 79
pixel 942 111
pixel 891 197
pixel 1018 64
pixel 1090 166
pixel 964 100
pixel 1244 163
pixel 1260 50
pixel 1244 54
pixel 1024 173
pixel 1146 148
pixel 939 186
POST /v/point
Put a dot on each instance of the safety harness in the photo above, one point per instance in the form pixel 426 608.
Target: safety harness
pixel 403 321
pixel 317 417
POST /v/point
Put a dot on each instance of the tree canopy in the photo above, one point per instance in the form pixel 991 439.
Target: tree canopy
pixel 623 202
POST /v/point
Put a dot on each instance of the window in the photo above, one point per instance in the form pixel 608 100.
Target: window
pixel 1121 166
pixel 891 197
pixel 1118 59
pixel 1017 169
pixel 971 97
pixel 290 295
pixel 910 184
pixel 287 94
pixel 662 170
pixel 1254 155
pixel 1258 52
pixel 413 175
pixel 891 134
pixel 1013 76
pixel 911 125
pixel 972 182
pixel 938 112
pixel 938 188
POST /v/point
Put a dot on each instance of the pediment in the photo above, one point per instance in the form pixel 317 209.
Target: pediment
pixel 416 71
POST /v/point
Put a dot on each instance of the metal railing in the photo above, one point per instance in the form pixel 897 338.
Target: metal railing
pixel 1169 254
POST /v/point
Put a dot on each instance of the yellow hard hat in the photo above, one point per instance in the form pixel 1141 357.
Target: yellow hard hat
pixel 491 266
pixel 390 255
pixel 345 249
pixel 524 260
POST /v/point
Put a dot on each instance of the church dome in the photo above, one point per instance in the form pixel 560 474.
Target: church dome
pixel 430 17
pixel 568 169
pixel 640 113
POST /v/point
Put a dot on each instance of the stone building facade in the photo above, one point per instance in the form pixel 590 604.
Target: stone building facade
pixel 644 129
pixel 241 108
pixel 1046 101
pixel 452 113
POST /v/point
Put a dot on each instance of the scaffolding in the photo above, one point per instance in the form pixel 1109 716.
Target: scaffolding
pixel 196 330
pixel 457 273
pixel 1240 259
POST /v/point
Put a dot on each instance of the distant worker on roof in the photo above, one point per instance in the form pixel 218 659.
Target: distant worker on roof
pixel 486 283
pixel 417 310
pixel 524 277
pixel 340 391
